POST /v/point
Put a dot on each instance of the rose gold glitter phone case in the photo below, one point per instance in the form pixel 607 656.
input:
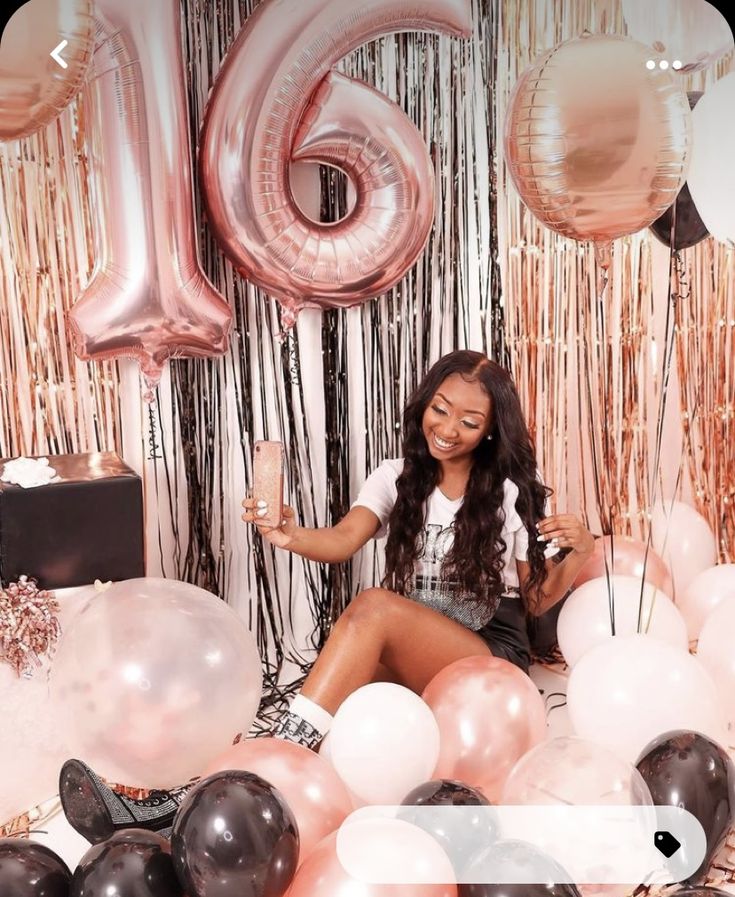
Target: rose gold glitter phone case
pixel 268 480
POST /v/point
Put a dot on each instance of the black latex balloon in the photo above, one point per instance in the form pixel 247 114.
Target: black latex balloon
pixel 688 770
pixel 235 836
pixel 689 228
pixel 519 860
pixel 133 862
pixel 28 869
pixel 473 831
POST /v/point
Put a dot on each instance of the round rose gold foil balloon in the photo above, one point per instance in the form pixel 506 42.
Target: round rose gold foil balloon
pixel 155 678
pixel 323 871
pixel 310 786
pixel 148 297
pixel 276 99
pixel 34 88
pixel 597 143
pixel 489 713
pixel 624 556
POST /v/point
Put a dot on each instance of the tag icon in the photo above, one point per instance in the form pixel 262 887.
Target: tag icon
pixel 666 843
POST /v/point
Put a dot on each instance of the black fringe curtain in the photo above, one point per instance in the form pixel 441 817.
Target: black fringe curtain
pixel 340 422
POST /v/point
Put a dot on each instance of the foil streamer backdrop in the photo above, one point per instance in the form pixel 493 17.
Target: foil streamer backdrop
pixel 50 402
pixel 333 389
pixel 597 368
pixel 605 379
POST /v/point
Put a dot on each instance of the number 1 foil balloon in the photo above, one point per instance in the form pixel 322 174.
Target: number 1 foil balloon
pixel 277 100
pixel 148 297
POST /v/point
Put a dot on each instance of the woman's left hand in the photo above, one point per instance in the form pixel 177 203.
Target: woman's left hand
pixel 567 531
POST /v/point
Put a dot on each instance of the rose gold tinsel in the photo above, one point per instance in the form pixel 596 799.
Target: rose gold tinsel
pixel 29 626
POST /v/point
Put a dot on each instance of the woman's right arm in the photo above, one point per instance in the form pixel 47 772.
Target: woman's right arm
pixel 329 544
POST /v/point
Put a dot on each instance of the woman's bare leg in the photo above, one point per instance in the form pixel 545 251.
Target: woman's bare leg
pixel 379 628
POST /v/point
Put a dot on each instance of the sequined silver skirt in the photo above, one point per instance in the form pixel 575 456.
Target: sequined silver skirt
pixel 448 599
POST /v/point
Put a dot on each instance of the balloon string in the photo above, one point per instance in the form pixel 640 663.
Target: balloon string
pixel 153 446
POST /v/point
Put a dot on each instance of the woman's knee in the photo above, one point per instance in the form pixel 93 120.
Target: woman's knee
pixel 371 607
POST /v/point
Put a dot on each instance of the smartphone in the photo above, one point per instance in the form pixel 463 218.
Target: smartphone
pixel 268 480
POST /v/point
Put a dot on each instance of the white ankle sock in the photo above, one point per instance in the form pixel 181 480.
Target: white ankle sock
pixel 305 723
pixel 317 716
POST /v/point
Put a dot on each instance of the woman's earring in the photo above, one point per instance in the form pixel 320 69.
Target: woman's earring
pixel 489 435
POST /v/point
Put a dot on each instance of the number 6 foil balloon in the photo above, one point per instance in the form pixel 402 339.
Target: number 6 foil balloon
pixel 277 100
pixel 148 298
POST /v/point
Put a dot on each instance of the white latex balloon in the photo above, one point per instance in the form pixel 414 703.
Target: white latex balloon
pixel 630 689
pixel 586 618
pixel 685 541
pixel 711 172
pixel 716 652
pixel 692 33
pixel 384 741
pixel 156 677
pixel 705 592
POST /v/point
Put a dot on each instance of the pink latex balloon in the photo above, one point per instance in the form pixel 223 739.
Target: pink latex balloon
pixel 276 100
pixel 323 873
pixel 34 88
pixel 148 297
pixel 615 554
pixel 572 771
pixel 155 678
pixel 489 713
pixel 630 689
pixel 590 612
pixel 312 789
pixel 705 592
pixel 384 741
pixel 715 652
pixel 684 539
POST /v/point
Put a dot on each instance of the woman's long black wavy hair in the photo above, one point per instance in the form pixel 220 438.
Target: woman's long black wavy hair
pixel 475 561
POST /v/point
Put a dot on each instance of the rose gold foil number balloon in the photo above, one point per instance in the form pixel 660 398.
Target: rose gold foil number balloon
pixel 148 297
pixel 276 99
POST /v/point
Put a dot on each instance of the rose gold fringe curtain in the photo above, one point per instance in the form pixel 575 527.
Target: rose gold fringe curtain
pixel 629 390
pixel 49 401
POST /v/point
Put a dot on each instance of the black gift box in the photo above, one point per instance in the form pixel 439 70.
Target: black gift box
pixel 86 525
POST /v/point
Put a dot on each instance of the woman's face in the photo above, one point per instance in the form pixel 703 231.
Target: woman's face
pixel 457 418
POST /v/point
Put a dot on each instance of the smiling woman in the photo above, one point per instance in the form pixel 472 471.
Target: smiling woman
pixel 466 559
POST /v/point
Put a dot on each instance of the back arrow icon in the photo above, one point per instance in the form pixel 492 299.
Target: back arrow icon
pixel 55 54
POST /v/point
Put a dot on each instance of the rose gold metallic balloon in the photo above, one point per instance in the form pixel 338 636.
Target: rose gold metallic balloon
pixel 276 100
pixel 34 88
pixel 489 713
pixel 597 143
pixel 625 556
pixel 148 297
pixel 310 786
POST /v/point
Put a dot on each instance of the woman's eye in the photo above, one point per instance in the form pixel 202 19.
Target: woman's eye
pixel 438 409
pixel 470 425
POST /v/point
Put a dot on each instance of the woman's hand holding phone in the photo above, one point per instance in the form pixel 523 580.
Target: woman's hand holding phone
pixel 281 536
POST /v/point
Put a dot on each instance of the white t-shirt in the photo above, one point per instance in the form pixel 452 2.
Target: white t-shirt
pixel 379 494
